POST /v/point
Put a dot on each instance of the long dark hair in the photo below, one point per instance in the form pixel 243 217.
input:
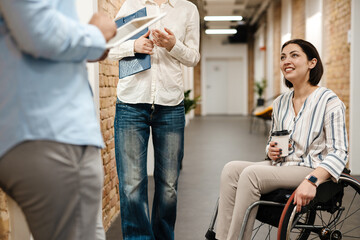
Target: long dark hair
pixel 311 52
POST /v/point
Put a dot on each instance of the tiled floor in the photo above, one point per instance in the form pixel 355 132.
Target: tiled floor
pixel 210 142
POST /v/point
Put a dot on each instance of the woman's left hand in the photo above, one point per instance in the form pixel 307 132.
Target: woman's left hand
pixel 304 194
pixel 166 40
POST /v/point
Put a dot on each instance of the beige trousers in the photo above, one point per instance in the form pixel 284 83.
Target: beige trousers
pixel 58 186
pixel 242 183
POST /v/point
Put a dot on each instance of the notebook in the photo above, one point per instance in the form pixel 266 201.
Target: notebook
pixel 137 24
pixel 128 27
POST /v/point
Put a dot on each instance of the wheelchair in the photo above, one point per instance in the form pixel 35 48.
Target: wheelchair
pixel 333 214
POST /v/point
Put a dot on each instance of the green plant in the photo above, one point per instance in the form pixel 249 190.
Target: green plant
pixel 259 87
pixel 189 103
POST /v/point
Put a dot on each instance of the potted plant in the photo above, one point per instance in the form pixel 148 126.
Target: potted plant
pixel 259 88
pixel 189 104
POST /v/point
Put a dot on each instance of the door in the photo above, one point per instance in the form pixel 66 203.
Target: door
pixel 226 86
pixel 216 86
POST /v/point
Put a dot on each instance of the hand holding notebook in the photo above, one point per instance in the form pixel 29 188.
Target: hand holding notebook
pixel 140 62
pixel 143 44
pixel 132 27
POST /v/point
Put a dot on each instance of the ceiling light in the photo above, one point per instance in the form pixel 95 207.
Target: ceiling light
pixel 223 18
pixel 220 31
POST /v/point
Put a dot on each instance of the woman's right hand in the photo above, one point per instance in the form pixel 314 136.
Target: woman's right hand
pixel 143 44
pixel 274 152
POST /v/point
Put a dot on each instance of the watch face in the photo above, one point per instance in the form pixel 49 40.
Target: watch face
pixel 313 179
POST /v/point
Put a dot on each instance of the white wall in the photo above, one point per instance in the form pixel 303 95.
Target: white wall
pixel 354 89
pixel 285 20
pixel 286 15
pixel 270 52
pixel 188 76
pixel 86 8
pixel 19 229
pixel 213 48
pixel 259 57
pixel 314 23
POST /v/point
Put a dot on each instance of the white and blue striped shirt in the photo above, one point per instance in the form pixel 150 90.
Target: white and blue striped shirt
pixel 318 132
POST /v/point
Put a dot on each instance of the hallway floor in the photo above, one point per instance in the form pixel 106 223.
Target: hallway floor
pixel 210 142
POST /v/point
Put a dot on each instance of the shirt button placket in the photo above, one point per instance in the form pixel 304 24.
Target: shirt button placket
pixel 154 70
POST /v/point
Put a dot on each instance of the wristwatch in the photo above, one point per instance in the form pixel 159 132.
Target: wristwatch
pixel 313 180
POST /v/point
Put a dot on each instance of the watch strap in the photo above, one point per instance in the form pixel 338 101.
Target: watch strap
pixel 312 179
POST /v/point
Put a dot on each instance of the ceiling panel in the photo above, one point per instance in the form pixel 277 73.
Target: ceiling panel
pixel 245 8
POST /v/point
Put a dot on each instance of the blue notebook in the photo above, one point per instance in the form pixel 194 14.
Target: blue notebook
pixel 140 62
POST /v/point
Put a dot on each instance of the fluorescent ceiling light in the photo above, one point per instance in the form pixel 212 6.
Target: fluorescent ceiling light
pixel 223 18
pixel 220 31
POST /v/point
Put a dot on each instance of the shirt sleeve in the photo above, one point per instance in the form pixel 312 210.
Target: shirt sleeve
pixel 336 138
pixel 271 130
pixel 125 49
pixel 44 32
pixel 187 52
pixel 273 124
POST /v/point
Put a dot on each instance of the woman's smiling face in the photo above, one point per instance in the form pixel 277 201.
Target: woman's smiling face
pixel 294 64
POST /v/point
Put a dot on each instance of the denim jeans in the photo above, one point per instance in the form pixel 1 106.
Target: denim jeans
pixel 132 129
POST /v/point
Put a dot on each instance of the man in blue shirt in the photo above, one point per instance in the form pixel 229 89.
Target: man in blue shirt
pixel 49 134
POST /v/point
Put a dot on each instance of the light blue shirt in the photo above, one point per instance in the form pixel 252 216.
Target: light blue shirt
pixel 44 90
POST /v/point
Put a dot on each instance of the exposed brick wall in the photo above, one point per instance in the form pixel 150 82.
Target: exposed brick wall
pixel 277 46
pixel 337 21
pixel 197 87
pixel 4 217
pixel 251 42
pixel 298 19
pixel 108 81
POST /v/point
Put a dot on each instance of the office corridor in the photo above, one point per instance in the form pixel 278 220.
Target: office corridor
pixel 210 142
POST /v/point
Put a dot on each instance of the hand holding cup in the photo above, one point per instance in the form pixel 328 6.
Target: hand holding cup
pixel 279 146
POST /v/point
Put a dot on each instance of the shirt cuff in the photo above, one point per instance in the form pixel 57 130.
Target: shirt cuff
pixel 97 42
pixel 125 49
pixel 334 175
pixel 177 50
pixel 129 48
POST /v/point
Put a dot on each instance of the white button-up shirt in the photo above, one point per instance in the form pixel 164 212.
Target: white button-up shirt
pixel 163 83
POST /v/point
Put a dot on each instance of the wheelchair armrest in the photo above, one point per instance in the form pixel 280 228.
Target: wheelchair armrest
pixel 278 195
pixel 346 171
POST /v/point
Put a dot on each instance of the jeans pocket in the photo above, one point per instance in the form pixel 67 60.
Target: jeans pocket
pixel 118 101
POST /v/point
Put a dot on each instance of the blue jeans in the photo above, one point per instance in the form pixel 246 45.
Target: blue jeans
pixel 132 129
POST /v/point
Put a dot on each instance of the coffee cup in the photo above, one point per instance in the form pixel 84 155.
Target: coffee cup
pixel 282 140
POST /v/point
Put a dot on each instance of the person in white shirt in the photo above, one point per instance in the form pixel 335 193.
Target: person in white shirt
pixel 153 98
pixel 319 149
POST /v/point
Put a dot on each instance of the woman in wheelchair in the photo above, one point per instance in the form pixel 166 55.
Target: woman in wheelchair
pixel 315 118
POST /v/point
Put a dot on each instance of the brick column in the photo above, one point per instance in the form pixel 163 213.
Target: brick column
pixel 251 42
pixel 336 60
pixel 197 87
pixel 4 217
pixel 298 19
pixel 108 80
pixel 277 45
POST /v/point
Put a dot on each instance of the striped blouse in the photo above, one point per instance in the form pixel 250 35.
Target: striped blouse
pixel 318 132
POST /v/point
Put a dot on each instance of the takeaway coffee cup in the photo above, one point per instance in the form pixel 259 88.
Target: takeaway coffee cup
pixel 282 139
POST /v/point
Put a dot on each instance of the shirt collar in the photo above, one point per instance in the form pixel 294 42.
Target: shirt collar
pixel 171 2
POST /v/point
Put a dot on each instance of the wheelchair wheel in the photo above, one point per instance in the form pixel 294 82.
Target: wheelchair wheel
pixel 324 220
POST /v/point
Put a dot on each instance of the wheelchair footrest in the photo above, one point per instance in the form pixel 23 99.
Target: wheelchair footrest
pixel 210 235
